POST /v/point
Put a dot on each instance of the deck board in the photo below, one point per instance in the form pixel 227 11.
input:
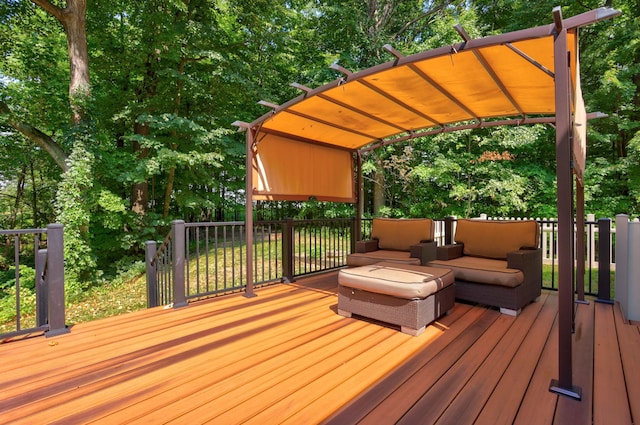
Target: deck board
pixel 608 379
pixel 178 360
pixel 439 396
pixel 437 335
pixel 286 356
pixel 629 340
pixel 506 398
pixel 400 379
pixel 217 374
pixel 539 404
pixel 569 409
pixel 467 405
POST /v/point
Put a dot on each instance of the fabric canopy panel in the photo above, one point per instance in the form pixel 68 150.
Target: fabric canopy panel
pixel 579 130
pixel 284 169
pixel 429 90
pixel 498 80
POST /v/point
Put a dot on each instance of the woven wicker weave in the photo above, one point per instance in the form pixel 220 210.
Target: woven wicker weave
pixel 411 315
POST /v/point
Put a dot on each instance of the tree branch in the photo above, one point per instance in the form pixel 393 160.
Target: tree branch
pixel 38 137
pixel 424 15
pixel 51 8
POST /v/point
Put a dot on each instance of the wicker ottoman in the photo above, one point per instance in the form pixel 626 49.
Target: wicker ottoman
pixel 405 295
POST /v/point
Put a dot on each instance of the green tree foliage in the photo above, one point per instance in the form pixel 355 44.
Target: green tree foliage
pixel 169 77
pixel 74 205
pixel 610 71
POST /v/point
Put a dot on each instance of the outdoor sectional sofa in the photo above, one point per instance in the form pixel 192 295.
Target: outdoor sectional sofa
pixel 405 241
pixel 497 263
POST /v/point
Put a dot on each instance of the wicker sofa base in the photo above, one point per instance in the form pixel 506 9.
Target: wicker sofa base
pixel 411 315
pixel 509 300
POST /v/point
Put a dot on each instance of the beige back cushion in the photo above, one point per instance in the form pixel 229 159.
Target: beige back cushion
pixel 400 233
pixel 493 239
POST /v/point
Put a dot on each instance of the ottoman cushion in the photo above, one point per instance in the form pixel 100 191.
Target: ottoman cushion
pixel 397 280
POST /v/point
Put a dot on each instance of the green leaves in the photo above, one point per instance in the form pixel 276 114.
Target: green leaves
pixel 169 77
pixel 74 204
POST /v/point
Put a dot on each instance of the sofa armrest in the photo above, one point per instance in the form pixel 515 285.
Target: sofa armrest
pixel 449 252
pixel 525 259
pixel 529 261
pixel 425 251
pixel 367 245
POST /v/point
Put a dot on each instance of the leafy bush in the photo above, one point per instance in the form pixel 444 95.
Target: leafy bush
pixel 8 297
pixel 74 213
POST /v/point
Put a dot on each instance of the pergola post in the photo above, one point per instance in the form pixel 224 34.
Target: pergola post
pixel 357 235
pixel 249 212
pixel 564 175
pixel 580 242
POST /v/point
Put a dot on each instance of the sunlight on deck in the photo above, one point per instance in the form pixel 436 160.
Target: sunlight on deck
pixel 285 356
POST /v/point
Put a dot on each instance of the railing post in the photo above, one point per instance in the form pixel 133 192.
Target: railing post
pixel 177 229
pixel 448 230
pixel 287 250
pixel 622 262
pixel 42 297
pixel 55 280
pixel 355 233
pixel 150 248
pixel 604 261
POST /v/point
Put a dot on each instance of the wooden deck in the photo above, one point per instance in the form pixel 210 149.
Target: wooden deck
pixel 285 356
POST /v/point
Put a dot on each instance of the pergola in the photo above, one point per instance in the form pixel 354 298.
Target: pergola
pixel 311 146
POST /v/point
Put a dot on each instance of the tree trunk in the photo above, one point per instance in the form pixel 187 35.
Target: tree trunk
pixel 168 191
pixel 140 190
pixel 378 187
pixel 37 137
pixel 34 196
pixel 73 19
pixel 172 171
pixel 19 195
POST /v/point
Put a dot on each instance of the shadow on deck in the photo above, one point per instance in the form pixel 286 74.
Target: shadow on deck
pixel 285 356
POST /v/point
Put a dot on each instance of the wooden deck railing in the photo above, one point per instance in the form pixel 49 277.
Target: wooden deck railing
pixel 42 250
pixel 206 259
pixel 199 260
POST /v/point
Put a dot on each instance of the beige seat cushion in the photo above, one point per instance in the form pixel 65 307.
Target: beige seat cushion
pixel 400 233
pixel 494 239
pixel 400 281
pixel 482 270
pixel 373 257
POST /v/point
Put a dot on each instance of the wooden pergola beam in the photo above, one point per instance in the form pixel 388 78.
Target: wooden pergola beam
pixel 564 200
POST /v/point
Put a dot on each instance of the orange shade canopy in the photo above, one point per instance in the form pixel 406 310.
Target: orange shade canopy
pixel 502 79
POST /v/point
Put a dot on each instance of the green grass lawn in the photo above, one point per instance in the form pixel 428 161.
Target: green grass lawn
pixel 121 295
pixel 127 293
pixel 111 299
pixel 550 274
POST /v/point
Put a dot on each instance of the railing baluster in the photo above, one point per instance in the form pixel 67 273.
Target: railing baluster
pixel 224 255
pixel 197 232
pixel 215 236
pixel 16 259
pixel 291 248
pixel 206 257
